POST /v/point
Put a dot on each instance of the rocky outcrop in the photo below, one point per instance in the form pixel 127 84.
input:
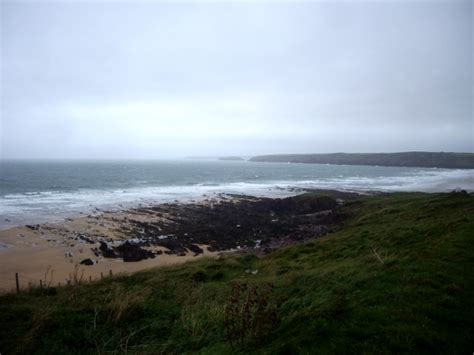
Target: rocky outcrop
pixel 238 223
pixel 130 252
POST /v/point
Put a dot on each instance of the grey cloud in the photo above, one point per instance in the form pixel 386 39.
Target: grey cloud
pixel 164 79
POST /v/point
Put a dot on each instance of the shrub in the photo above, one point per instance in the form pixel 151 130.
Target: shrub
pixel 250 313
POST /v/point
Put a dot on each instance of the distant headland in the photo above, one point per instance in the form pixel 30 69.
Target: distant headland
pixel 403 159
pixel 232 158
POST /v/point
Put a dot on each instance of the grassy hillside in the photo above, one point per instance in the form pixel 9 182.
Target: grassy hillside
pixel 411 159
pixel 397 278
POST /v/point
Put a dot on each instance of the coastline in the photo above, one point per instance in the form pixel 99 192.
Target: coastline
pixel 128 240
pixel 140 238
pixel 417 159
pixel 39 192
pixel 420 241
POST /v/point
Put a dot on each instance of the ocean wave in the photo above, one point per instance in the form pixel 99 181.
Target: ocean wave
pixel 39 206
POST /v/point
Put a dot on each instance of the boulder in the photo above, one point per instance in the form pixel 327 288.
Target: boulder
pixel 195 249
pixel 132 252
pixel 107 252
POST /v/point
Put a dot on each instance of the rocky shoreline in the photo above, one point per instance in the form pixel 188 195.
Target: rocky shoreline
pixel 234 222
pixel 139 238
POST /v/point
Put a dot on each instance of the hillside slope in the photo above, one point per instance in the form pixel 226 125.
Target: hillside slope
pixel 397 278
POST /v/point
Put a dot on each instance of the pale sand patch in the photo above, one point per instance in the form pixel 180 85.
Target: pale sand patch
pixel 52 252
pixel 41 255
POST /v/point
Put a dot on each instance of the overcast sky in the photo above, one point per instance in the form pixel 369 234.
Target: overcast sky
pixel 167 79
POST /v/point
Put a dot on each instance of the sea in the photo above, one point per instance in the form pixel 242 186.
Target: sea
pixel 49 191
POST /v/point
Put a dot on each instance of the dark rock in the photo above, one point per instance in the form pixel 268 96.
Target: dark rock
pixel 85 238
pixel 132 252
pixel 175 246
pixel 87 262
pixel 235 223
pixel 34 227
pixel 107 252
pixel 195 249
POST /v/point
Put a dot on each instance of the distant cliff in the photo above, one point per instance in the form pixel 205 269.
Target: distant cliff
pixel 409 159
pixel 231 158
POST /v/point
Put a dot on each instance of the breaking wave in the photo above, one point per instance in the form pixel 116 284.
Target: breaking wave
pixel 43 206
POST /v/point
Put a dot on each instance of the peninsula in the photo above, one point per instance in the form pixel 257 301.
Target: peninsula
pixel 406 159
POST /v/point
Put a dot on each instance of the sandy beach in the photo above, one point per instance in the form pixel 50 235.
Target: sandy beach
pixel 53 252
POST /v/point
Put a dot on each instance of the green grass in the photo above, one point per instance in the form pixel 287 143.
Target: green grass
pixel 397 278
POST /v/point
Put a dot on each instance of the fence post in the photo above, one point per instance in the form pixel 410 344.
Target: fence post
pixel 110 272
pixel 101 275
pixel 17 283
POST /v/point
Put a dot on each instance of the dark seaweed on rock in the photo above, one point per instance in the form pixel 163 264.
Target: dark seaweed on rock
pixel 241 223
